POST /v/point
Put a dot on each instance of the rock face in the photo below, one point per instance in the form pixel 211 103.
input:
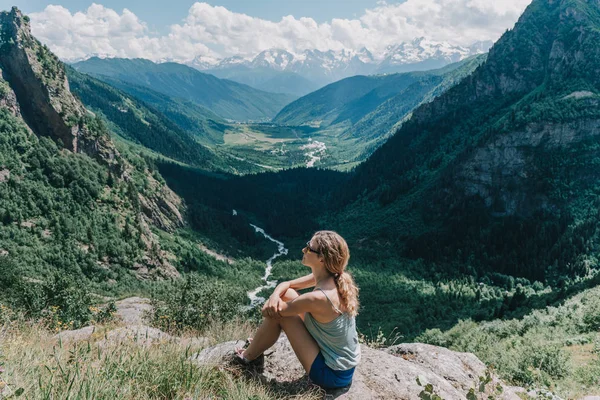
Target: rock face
pixel 39 82
pixel 382 374
pixel 505 169
pixel 34 87
pixel 22 60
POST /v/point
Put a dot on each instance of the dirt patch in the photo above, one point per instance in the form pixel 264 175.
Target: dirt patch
pixel 216 255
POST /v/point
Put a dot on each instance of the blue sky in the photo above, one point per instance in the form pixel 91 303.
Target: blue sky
pixel 160 14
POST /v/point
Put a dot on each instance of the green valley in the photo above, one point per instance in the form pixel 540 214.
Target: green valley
pixel 468 196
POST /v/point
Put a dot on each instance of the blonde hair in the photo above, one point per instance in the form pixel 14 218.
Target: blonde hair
pixel 336 254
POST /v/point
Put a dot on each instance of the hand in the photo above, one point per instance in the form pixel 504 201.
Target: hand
pixel 271 307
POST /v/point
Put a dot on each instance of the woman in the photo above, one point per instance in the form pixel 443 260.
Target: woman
pixel 320 325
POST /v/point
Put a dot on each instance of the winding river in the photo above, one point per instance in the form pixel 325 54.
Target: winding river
pixel 281 250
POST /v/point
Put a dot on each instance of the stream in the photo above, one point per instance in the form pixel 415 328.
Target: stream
pixel 255 299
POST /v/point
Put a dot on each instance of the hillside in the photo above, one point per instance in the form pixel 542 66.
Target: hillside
pixel 227 99
pixel 267 79
pixel 355 116
pixel 80 214
pixel 133 120
pixel 353 98
pixel 203 124
pixel 65 187
pixel 506 155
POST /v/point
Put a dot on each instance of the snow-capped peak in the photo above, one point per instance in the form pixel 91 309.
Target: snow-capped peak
pixel 277 59
pixel 330 65
pixel 204 62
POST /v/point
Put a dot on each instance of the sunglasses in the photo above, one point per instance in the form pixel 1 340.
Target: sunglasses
pixel 308 248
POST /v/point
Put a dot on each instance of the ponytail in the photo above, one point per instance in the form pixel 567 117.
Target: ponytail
pixel 336 254
pixel 348 292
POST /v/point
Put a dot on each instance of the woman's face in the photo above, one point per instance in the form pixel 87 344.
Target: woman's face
pixel 312 255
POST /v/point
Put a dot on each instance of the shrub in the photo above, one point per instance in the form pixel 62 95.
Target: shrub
pixel 541 361
pixel 194 302
pixel 591 315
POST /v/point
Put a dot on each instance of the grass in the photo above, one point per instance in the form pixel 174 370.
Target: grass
pixel 44 368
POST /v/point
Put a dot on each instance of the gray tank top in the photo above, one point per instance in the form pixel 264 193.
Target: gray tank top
pixel 337 339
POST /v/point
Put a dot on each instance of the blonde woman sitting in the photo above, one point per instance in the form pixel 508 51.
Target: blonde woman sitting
pixel 320 324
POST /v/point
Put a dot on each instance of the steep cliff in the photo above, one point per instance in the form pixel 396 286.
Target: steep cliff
pixel 35 91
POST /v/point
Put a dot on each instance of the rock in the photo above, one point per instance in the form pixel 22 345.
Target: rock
pixel 76 335
pixel 581 94
pixel 215 355
pixel 4 175
pixel 131 310
pixel 443 361
pixel 141 334
pixel 381 374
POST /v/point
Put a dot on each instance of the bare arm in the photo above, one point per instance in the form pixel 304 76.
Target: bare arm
pixel 297 284
pixel 307 302
pixel 274 302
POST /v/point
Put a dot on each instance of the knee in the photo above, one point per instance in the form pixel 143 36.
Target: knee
pixel 290 295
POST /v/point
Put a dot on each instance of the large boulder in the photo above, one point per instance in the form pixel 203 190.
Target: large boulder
pixel 140 334
pixel 382 374
pixel 76 335
pixel 133 309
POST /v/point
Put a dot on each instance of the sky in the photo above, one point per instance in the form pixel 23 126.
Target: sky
pixel 160 16
pixel 182 30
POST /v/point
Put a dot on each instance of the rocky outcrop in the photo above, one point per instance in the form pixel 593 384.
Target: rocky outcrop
pixel 161 206
pixel 132 310
pixel 382 374
pixel 131 314
pixel 505 170
pixel 34 87
pixel 39 82
pixel 4 175
pixel 76 335
pixel 8 98
pixel 39 93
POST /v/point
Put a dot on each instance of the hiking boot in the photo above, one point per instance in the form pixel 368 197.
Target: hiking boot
pixel 258 364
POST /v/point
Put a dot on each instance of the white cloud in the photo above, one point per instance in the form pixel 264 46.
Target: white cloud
pixel 213 31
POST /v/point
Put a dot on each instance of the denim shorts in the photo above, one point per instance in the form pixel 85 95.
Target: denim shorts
pixel 320 374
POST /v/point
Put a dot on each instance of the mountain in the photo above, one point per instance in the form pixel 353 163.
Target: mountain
pixel 364 110
pixel 499 172
pixel 226 98
pixel 138 122
pixel 319 68
pixel 82 214
pixel 421 55
pixel 206 126
pixel 72 203
pixel 267 79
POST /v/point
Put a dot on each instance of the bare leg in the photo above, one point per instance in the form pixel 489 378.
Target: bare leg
pixel 268 332
pixel 265 337
pixel 304 345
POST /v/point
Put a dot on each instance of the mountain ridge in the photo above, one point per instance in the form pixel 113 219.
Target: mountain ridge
pixel 324 67
pixel 493 145
pixel 226 98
